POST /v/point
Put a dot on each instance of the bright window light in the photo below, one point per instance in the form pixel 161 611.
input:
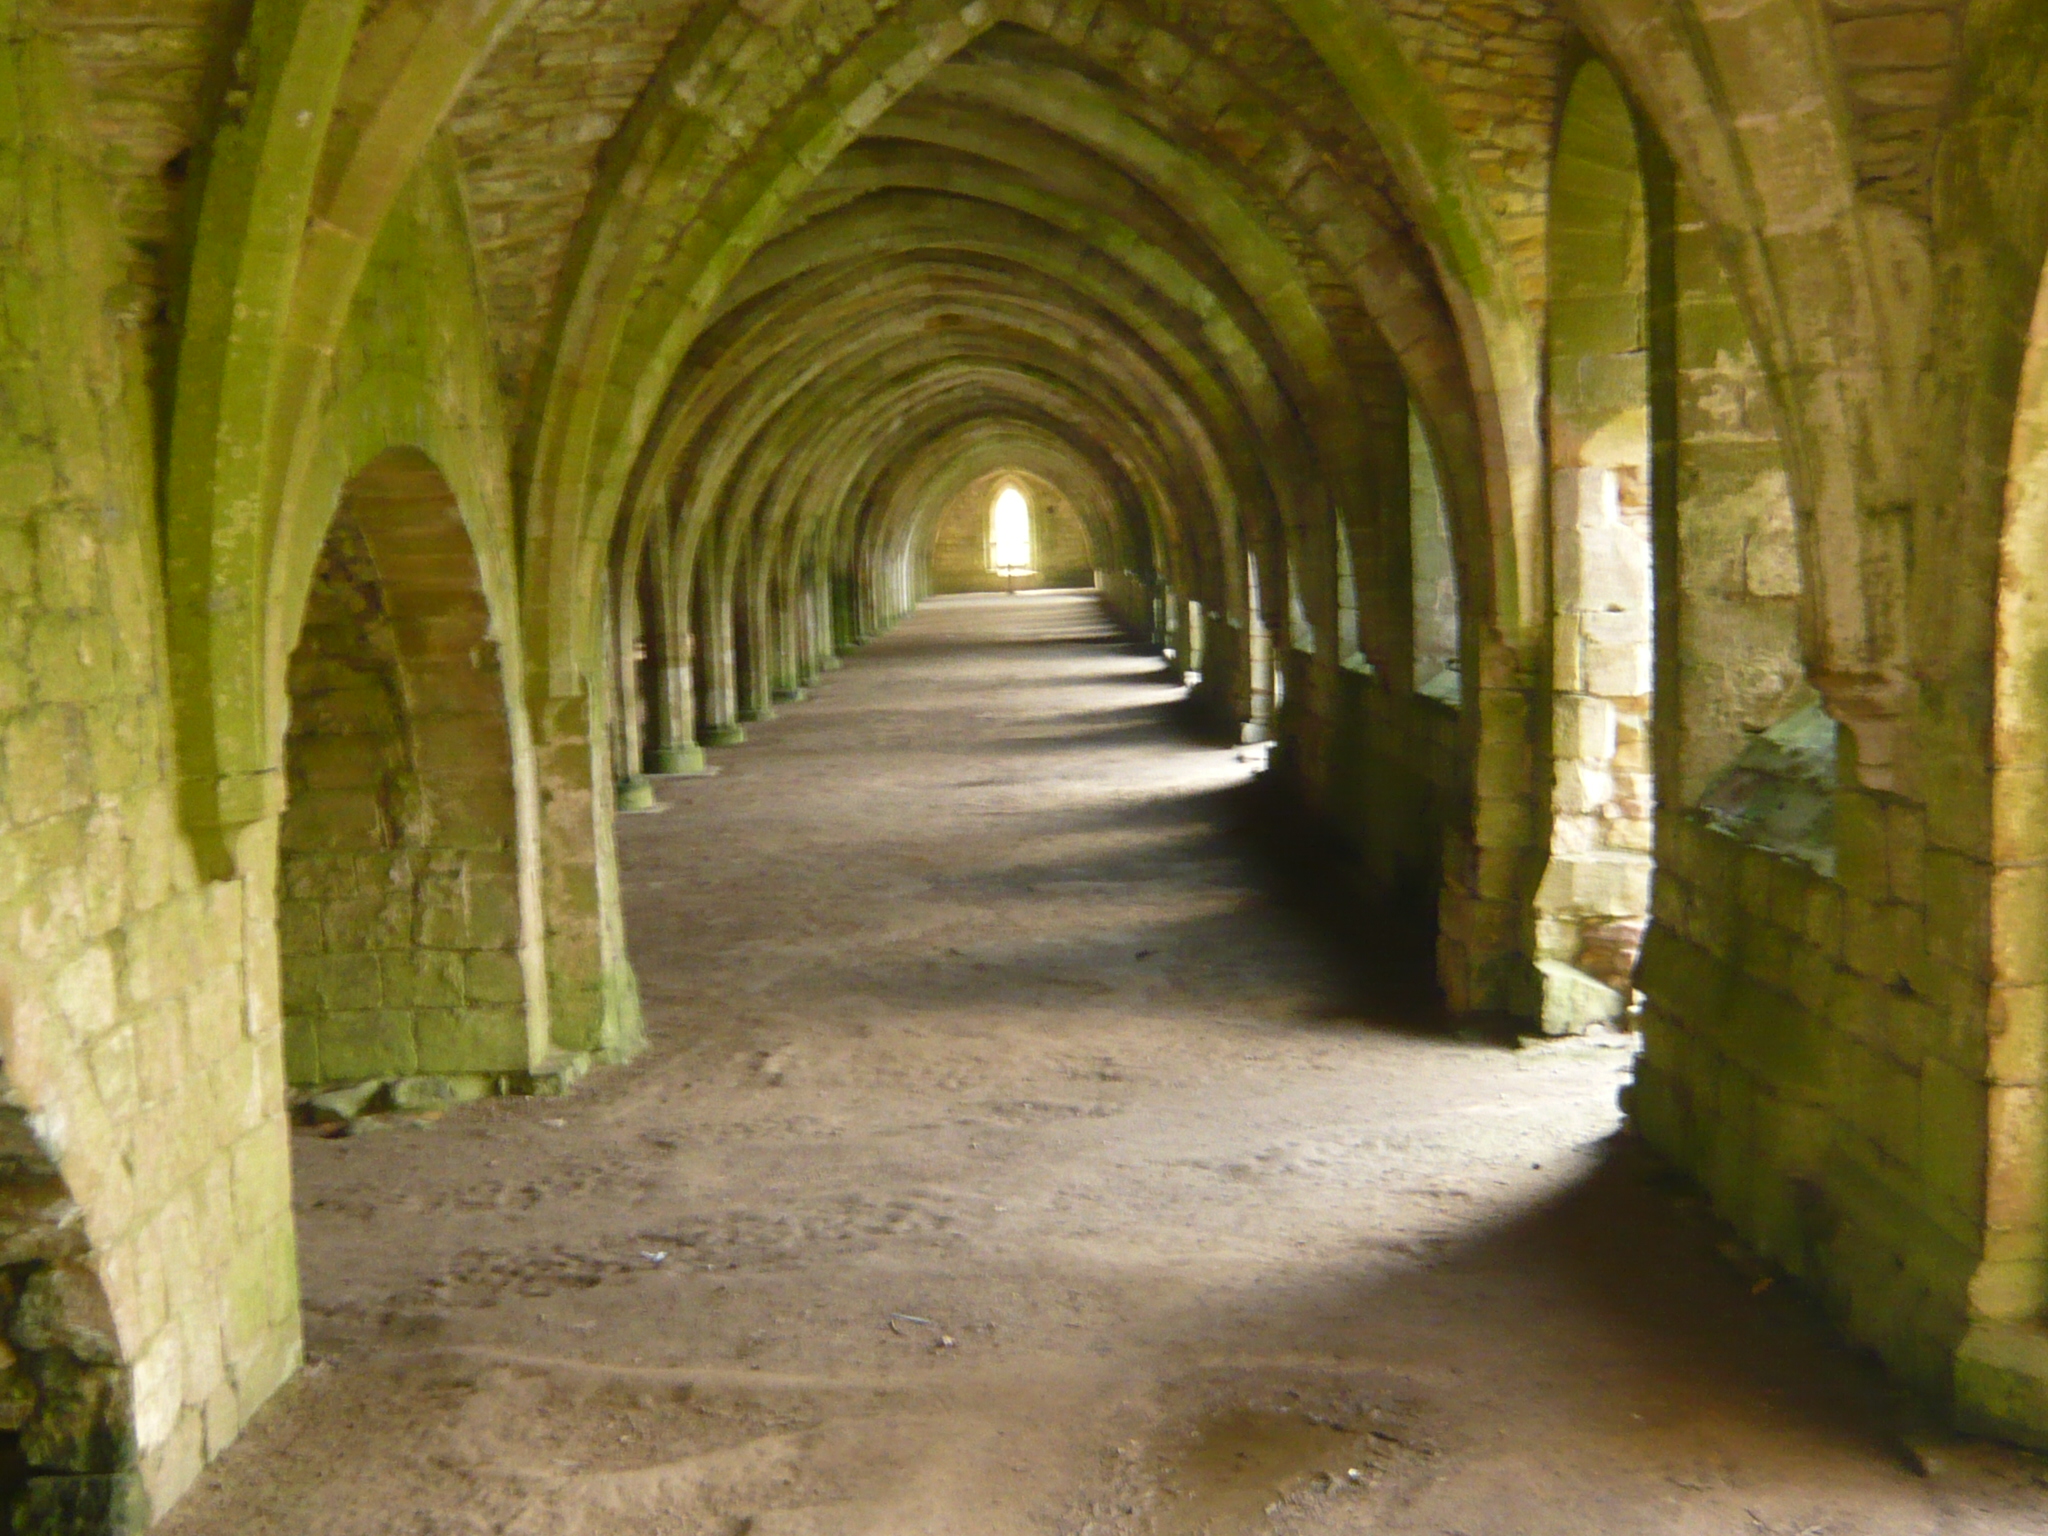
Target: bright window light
pixel 1009 532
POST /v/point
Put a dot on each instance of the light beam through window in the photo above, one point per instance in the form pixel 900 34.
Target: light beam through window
pixel 1009 533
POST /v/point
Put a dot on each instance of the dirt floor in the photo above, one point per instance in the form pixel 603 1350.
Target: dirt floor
pixel 1010 1158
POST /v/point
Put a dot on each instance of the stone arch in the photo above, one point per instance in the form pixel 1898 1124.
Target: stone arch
pixel 408 892
pixel 1833 288
pixel 575 464
pixel 2005 1360
pixel 1994 351
pixel 1594 899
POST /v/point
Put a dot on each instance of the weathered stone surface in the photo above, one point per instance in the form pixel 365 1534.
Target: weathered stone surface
pixel 109 1505
pixel 63 1307
pixel 338 1106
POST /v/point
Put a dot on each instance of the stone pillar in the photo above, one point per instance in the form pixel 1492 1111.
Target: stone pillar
pixel 786 621
pixel 754 650
pixel 1483 961
pixel 671 745
pixel 716 695
pixel 850 630
pixel 807 668
pixel 1258 657
pixel 825 619
pixel 622 666
pixel 594 1003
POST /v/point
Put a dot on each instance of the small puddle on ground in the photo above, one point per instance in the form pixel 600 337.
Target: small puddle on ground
pixel 1238 1463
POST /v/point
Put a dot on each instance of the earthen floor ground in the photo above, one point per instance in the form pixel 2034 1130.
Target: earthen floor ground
pixel 1010 1159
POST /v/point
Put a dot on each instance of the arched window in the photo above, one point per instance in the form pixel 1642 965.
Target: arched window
pixel 1009 533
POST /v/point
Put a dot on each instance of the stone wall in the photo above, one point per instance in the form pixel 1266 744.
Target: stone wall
pixel 1060 554
pixel 1737 667
pixel 399 853
pixel 1802 1060
pixel 138 1003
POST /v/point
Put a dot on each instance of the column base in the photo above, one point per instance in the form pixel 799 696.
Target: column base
pixel 829 663
pixel 635 796
pixel 2001 1382
pixel 791 695
pixel 724 735
pixel 676 762
pixel 753 716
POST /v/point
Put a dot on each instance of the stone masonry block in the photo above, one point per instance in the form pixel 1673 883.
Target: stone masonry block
pixel 379 921
pixel 494 976
pixel 333 820
pixel 2016 1045
pixel 316 877
pixel 299 929
pixel 260 1170
pixel 441 917
pixel 423 978
pixel 476 1039
pixel 1584 727
pixel 474 816
pixel 46 764
pixel 494 919
pixel 1862 863
pixel 2019 911
pixel 367 1043
pixel 2015 1178
pixel 67 557
pixel 301 1050
pixel 345 982
pixel 1952 1127
pixel 335 762
pixel 1958 896
pixel 1822 919
pixel 70 656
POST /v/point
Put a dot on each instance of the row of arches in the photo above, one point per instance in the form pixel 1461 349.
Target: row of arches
pixel 1619 516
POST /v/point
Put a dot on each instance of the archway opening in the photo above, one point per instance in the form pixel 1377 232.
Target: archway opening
pixel 1009 534
pixel 1433 574
pixel 407 914
pixel 1594 902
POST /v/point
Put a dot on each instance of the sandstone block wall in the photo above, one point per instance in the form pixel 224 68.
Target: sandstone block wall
pixel 1803 1057
pixel 1060 554
pixel 138 1003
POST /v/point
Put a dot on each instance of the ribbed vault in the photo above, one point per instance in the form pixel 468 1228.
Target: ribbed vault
pixel 1140 280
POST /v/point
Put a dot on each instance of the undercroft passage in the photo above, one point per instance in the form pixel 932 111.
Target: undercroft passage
pixel 1019 1150
pixel 1049 765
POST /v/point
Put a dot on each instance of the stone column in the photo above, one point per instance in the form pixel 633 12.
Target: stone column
pixel 622 668
pixel 593 1001
pixel 1258 657
pixel 716 696
pixel 825 619
pixel 786 626
pixel 754 651
pixel 671 745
